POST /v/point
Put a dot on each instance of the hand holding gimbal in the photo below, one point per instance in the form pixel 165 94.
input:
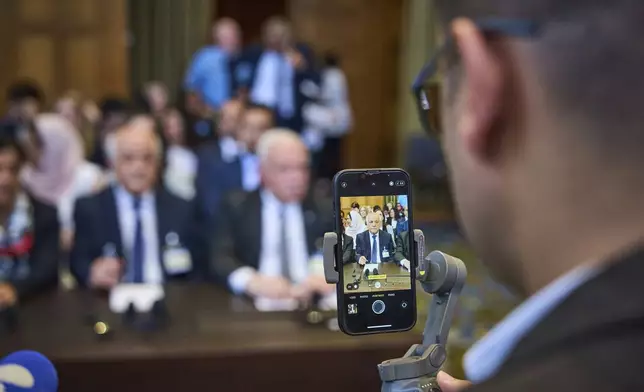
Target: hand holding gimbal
pixel 439 274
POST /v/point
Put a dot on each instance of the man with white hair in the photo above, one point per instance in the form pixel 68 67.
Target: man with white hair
pixel 135 231
pixel 265 239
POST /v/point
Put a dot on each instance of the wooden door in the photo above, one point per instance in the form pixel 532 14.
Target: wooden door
pixel 64 44
pixel 366 35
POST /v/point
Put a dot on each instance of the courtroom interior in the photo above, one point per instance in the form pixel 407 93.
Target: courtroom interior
pixel 166 181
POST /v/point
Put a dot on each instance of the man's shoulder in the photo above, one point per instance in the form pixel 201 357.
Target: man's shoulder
pixel 43 212
pixel 93 200
pixel 240 200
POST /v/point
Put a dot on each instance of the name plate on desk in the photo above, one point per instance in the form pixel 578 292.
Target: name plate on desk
pixel 141 296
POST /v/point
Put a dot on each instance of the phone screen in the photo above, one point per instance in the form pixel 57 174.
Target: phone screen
pixel 376 250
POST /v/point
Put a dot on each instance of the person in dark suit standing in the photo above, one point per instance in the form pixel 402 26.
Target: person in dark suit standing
pixel 134 231
pixel 264 240
pixel 374 246
pixel 280 74
pixel 542 117
pixel 29 236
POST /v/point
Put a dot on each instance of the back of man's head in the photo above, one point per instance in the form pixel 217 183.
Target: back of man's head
pixel 587 59
pixel 542 132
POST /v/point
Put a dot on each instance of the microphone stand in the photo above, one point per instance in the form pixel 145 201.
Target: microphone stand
pixel 439 274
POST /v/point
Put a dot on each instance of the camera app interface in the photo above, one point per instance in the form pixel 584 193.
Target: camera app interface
pixel 376 245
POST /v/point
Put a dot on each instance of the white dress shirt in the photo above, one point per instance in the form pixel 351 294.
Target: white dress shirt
pixel 152 271
pixel 229 149
pixel 270 257
pixel 250 172
pixel 180 172
pixel 485 357
pixel 273 84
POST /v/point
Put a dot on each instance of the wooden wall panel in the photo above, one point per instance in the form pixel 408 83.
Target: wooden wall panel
pixel 366 35
pixel 65 44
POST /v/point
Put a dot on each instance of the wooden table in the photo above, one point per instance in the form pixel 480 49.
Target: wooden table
pixel 214 342
pixel 397 278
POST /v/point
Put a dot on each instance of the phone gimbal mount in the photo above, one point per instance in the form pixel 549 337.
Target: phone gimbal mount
pixel 439 274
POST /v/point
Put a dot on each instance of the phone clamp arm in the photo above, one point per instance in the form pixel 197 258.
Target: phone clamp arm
pixel 441 275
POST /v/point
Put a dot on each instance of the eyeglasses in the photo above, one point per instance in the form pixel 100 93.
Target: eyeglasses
pixel 420 88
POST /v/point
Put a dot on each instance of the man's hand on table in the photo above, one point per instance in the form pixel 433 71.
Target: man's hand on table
pixel 105 273
pixel 314 284
pixel 362 260
pixel 8 295
pixel 272 287
pixel 450 384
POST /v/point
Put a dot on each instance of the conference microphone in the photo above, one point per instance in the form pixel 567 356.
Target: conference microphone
pixel 24 371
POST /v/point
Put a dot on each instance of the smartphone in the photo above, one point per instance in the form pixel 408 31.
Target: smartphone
pixel 376 253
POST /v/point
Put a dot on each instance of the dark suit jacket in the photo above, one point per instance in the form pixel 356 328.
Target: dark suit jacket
pixel 592 341
pixel 347 250
pixel 45 252
pixel 237 241
pixel 215 178
pixel 246 72
pixel 363 246
pixel 402 247
pixel 96 220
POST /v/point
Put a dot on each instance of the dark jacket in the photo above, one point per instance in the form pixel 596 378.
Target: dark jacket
pixel 237 241
pixel 402 247
pixel 44 255
pixel 97 226
pixel 385 246
pixel 348 256
pixel 592 341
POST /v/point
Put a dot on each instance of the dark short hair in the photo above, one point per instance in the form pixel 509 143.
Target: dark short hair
pixel 252 106
pixel 355 205
pixel 10 143
pixel 331 59
pixel 588 59
pixel 24 90
pixel 112 105
pixel 376 208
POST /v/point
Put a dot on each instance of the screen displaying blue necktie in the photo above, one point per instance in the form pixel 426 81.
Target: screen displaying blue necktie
pixel 138 246
pixel 374 249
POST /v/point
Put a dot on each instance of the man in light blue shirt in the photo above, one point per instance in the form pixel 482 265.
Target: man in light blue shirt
pixel 542 129
pixel 210 73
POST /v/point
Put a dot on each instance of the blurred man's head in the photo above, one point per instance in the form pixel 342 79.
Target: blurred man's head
pixel 138 155
pixel 156 96
pixel 256 120
pixel 543 134
pixel 174 128
pixel 277 33
pixel 284 165
pixel 374 222
pixel 230 118
pixel 227 35
pixel 114 113
pixel 11 161
pixel 25 100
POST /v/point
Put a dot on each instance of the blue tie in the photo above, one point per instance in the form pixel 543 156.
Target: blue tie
pixel 285 104
pixel 138 247
pixel 374 250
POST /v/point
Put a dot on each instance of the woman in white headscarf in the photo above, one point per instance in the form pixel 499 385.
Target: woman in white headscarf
pixel 62 174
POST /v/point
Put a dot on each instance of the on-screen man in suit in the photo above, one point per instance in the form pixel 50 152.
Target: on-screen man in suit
pixel 374 245
pixel 135 231
pixel 264 240
pixel 548 183
pixel 348 253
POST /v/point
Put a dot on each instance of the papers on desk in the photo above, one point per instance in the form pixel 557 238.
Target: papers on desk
pixel 327 303
pixel 141 296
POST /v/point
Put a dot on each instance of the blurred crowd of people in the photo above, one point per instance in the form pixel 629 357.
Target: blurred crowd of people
pixel 214 186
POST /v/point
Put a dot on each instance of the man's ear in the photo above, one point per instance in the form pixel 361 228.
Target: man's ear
pixel 481 86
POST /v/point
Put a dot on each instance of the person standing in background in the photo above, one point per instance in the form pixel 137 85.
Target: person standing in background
pixel 25 101
pixel 280 74
pixel 328 119
pixel 210 73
